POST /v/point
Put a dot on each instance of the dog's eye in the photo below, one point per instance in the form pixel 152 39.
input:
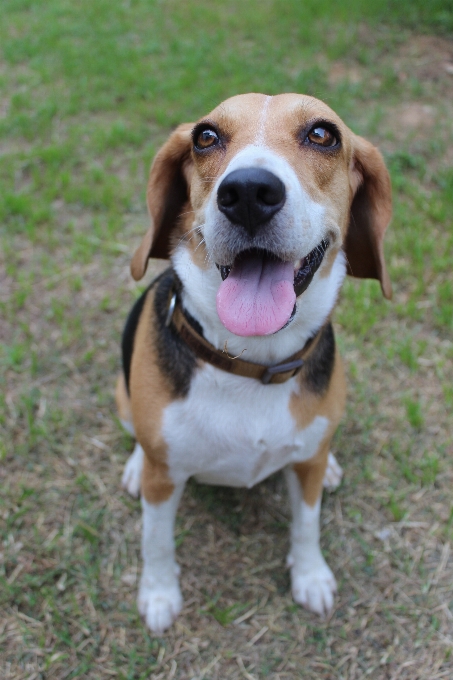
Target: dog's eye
pixel 206 138
pixel 321 136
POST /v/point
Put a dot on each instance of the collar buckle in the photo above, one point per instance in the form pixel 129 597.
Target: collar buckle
pixel 295 366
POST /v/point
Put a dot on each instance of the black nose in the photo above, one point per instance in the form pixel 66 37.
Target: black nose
pixel 250 197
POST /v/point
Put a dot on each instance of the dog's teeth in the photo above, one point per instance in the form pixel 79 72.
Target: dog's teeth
pixel 297 264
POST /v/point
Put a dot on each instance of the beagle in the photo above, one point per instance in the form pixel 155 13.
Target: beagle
pixel 230 369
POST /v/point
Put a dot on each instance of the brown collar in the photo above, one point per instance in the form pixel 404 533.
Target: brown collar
pixel 279 373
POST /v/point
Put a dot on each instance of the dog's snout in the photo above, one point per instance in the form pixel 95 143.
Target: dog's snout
pixel 249 197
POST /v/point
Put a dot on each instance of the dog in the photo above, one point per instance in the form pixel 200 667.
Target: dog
pixel 230 370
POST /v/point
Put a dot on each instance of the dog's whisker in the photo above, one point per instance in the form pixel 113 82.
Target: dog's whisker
pixel 347 262
pixel 201 243
pixel 188 235
pixel 197 226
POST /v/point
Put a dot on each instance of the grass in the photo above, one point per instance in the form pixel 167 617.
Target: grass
pixel 89 91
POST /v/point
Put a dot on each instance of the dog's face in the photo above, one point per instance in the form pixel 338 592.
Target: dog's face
pixel 266 191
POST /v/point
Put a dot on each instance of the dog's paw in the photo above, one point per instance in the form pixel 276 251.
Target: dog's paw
pixel 333 474
pixel 132 475
pixel 159 606
pixel 314 589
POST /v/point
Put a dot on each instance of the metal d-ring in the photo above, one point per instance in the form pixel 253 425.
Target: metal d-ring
pixel 171 309
pixel 294 365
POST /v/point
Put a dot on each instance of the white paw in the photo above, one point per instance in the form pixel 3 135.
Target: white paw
pixel 314 589
pixel 159 606
pixel 132 475
pixel 333 474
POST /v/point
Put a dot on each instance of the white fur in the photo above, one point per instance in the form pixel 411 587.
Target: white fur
pixel 262 124
pixel 159 597
pixel 132 475
pixel 234 431
pixel 312 582
pixel 131 480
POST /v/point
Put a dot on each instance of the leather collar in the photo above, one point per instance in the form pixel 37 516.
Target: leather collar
pixel 268 375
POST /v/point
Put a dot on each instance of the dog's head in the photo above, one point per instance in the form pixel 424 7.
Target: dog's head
pixel 266 191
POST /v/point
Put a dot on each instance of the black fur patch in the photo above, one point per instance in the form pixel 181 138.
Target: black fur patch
pixel 176 359
pixel 127 340
pixel 319 365
pixel 178 362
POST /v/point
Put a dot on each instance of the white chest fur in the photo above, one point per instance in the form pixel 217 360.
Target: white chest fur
pixel 235 431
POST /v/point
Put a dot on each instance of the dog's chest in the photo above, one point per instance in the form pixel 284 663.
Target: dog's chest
pixel 235 431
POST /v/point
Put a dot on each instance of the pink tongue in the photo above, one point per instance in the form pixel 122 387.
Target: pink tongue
pixel 258 296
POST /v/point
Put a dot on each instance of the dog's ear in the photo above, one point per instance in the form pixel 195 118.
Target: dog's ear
pixel 166 194
pixel 371 211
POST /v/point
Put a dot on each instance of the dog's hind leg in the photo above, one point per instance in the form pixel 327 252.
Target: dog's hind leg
pixel 333 473
pixel 123 405
pixel 313 584
pixel 132 475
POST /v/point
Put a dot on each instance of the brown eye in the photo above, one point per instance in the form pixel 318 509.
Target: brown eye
pixel 321 136
pixel 206 138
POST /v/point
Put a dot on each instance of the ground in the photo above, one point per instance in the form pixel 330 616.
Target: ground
pixel 88 92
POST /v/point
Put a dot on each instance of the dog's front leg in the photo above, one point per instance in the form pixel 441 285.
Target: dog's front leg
pixel 312 582
pixel 159 597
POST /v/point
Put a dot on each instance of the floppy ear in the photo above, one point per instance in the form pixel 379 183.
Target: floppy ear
pixel 166 194
pixel 371 211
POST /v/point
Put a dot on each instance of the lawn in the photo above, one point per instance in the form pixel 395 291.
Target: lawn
pixel 88 92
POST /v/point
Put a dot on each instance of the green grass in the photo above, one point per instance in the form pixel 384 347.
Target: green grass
pixel 89 90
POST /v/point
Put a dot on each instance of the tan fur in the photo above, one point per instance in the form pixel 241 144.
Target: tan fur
pixel 352 183
pixel 371 211
pixel 311 474
pixel 150 394
pixel 304 407
pixel 192 238
pixel 123 403
pixel 328 262
pixel 156 484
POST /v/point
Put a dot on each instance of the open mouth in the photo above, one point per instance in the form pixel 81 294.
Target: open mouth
pixel 258 292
